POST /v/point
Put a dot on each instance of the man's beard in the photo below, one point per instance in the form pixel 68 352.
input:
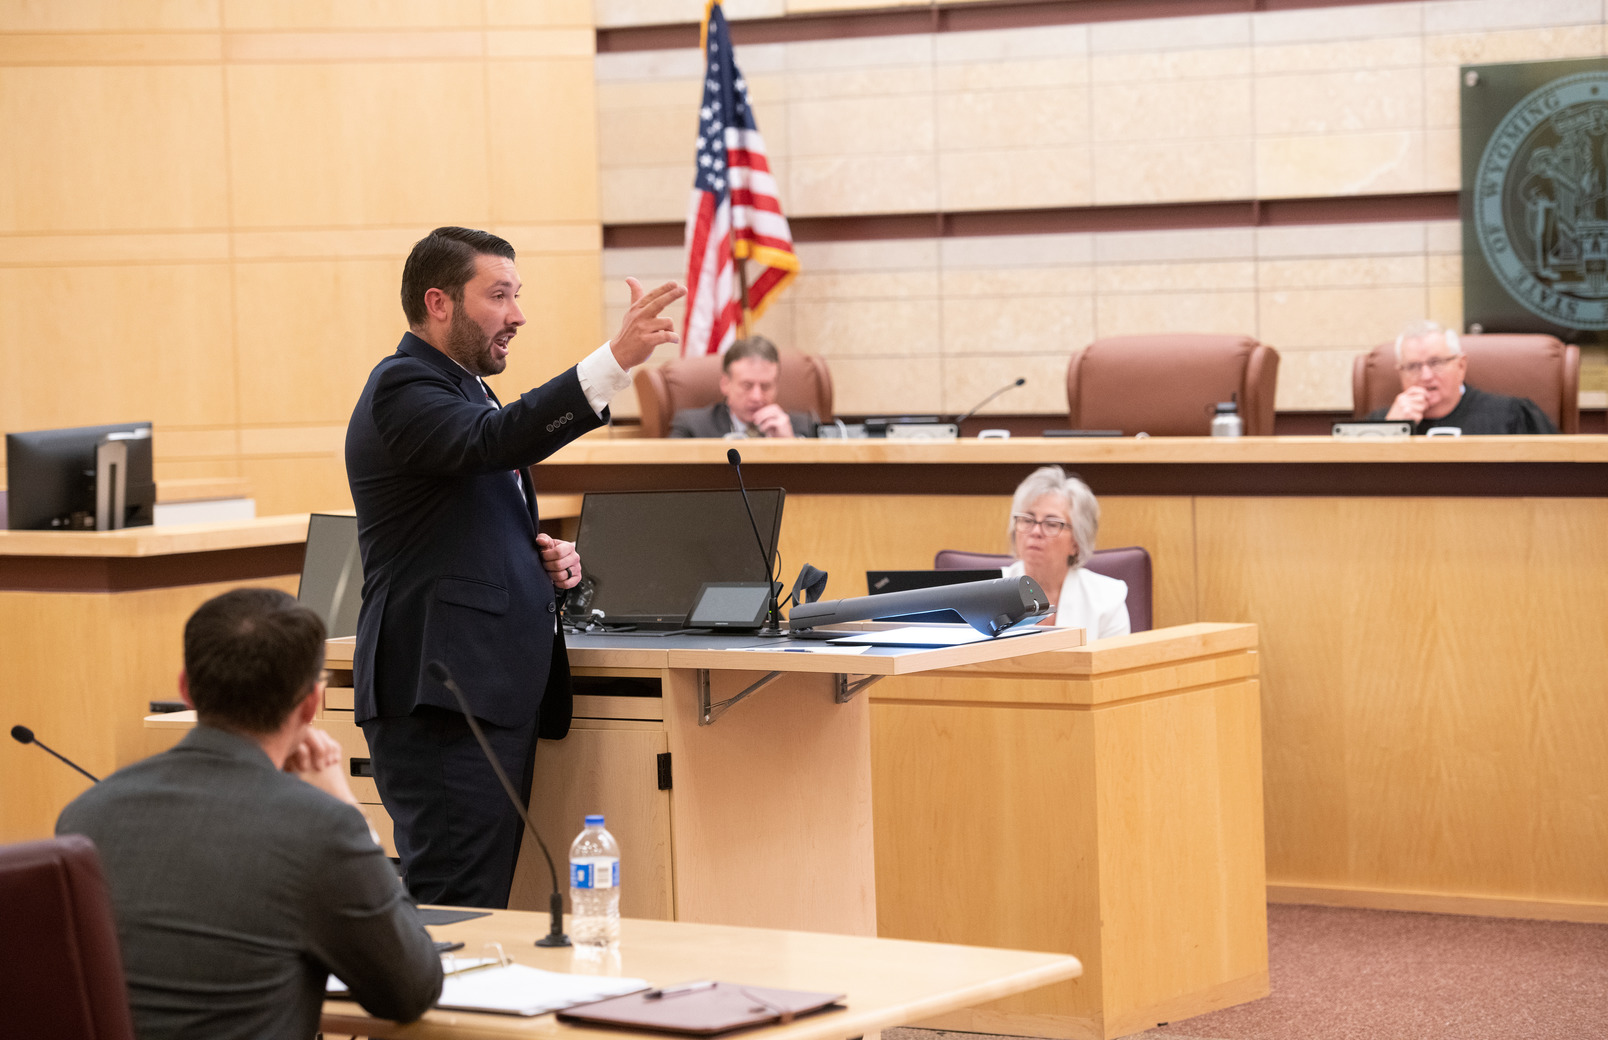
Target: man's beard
pixel 469 345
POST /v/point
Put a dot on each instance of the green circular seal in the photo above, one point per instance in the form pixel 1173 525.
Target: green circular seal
pixel 1541 201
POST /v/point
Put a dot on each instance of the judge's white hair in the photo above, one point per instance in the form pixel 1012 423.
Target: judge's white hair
pixel 1425 329
pixel 1081 507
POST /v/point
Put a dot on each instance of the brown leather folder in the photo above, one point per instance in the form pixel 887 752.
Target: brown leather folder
pixel 719 1008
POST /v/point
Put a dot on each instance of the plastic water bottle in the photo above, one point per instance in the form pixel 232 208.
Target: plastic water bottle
pixel 594 886
pixel 1227 423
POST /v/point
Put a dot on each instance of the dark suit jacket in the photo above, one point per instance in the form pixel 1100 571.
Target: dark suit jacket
pixel 450 566
pixel 715 421
pixel 239 888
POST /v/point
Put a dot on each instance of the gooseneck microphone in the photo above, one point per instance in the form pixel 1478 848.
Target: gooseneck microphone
pixel 1008 386
pixel 24 735
pixel 555 903
pixel 773 625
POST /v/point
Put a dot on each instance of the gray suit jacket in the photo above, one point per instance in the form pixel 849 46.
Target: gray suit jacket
pixel 239 888
pixel 715 421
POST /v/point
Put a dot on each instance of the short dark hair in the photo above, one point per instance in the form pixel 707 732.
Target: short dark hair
pixel 752 347
pixel 251 656
pixel 445 259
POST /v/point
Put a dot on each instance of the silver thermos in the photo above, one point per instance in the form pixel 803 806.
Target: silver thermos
pixel 1227 423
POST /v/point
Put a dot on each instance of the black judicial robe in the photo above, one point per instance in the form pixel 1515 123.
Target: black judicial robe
pixel 1480 413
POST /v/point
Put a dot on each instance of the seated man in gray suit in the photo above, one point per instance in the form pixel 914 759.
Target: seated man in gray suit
pixel 748 375
pixel 238 887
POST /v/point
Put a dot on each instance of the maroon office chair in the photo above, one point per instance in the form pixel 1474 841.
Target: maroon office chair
pixel 1542 368
pixel 60 960
pixel 1130 564
pixel 803 384
pixel 1166 384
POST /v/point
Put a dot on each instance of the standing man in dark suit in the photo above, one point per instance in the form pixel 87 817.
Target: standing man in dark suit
pixel 239 888
pixel 454 569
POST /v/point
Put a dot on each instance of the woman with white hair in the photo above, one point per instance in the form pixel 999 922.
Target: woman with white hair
pixel 1054 519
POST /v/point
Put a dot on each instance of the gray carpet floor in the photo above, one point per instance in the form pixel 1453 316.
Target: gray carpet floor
pixel 1376 975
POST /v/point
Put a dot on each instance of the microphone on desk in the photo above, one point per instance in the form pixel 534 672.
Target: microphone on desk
pixel 24 735
pixel 772 626
pixel 555 904
pixel 978 407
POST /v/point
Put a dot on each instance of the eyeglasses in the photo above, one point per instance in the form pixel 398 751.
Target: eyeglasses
pixel 1434 364
pixel 1052 525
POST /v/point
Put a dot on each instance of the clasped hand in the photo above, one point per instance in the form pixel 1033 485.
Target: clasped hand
pixel 560 560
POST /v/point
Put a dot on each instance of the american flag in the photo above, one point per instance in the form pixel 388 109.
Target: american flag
pixel 734 211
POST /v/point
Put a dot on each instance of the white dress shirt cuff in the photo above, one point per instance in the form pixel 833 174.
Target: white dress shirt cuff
pixel 601 378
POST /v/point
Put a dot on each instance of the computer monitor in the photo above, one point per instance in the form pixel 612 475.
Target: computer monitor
pixel 51 477
pixel 646 554
pixel 332 573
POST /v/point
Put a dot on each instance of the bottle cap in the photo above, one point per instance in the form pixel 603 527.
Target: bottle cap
pixel 1226 408
pixel 594 820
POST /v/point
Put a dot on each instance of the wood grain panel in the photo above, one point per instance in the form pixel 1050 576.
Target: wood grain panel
pixel 608 767
pixel 1432 676
pixel 347 308
pixel 561 300
pixel 82 671
pixel 781 781
pixel 143 148
pixel 543 141
pixel 1150 811
pixel 358 132
pixel 315 483
pixel 178 370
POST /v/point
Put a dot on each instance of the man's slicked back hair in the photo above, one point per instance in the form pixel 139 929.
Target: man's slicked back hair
pixel 752 347
pixel 251 655
pixel 445 259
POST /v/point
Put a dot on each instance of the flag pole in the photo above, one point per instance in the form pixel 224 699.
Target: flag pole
pixel 742 285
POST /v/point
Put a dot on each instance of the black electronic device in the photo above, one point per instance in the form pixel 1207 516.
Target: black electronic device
pixel 52 477
pixel 646 554
pixel 877 426
pixel 991 607
pixel 773 616
pixel 879 582
pixel 743 605
pixel 332 573
pixel 1083 433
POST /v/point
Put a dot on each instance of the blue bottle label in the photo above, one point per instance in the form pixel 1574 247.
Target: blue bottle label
pixel 595 872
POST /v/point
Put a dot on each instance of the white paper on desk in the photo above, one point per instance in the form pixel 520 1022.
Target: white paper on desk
pixel 517 990
pixel 450 965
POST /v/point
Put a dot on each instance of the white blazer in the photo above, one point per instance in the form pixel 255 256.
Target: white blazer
pixel 1089 601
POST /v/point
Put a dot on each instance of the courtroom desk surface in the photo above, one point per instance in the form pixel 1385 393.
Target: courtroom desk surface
pixel 887 982
pixel 1572 465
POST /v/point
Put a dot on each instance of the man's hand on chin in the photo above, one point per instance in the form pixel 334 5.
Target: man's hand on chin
pixel 773 421
pixel 1409 406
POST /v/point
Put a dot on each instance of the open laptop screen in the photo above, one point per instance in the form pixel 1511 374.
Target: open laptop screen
pixel 645 554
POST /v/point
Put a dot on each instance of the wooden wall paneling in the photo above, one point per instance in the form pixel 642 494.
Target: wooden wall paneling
pixel 1433 719
pixel 1164 525
pixel 296 483
pixel 378 143
pixel 97 344
pixel 562 299
pixel 122 147
pixel 82 670
pixel 543 139
pixel 776 780
pixel 607 766
pixel 309 330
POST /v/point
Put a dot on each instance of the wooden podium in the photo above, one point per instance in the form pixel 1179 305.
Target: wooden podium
pixel 761 814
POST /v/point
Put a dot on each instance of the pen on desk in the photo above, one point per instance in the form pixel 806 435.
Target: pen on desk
pixel 676 991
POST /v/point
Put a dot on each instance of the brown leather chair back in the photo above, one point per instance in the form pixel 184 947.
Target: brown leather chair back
pixel 1130 564
pixel 805 385
pixel 1542 368
pixel 60 960
pixel 1166 385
